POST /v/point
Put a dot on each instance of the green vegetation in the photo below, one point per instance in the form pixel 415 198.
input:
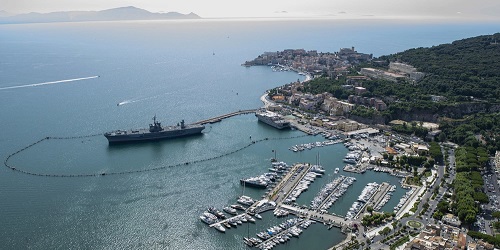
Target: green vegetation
pixel 495 240
pixel 468 184
pixel 458 70
pixel 364 112
pixel 471 159
pixel 463 73
pixel 424 208
pixel 354 244
pixel 385 231
pixel 323 84
pixel 400 242
pixel 412 160
pixel 417 130
pixel 496 215
pixel 442 208
pixel 414 224
pixel 415 206
pixel 435 152
pixel 376 218
pixel 464 131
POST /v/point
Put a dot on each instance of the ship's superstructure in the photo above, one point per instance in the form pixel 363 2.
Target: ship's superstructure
pixel 272 119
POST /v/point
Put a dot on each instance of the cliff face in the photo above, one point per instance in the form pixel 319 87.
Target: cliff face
pixel 471 108
pixel 455 111
pixel 373 120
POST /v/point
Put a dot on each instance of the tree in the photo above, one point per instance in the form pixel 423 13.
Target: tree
pixel 442 137
pixel 385 231
pixel 369 209
pixel 496 215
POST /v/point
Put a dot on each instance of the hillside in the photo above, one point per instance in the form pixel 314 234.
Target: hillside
pixel 116 14
pixel 464 68
pixel 460 90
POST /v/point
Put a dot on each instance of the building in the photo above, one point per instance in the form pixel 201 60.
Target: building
pixel 437 98
pixel 356 80
pixel 402 67
pixel 422 150
pixel 380 105
pixel 451 220
pixel 359 90
pixel 278 98
pixel 380 74
pixel 306 104
pixel 438 237
pixel 407 70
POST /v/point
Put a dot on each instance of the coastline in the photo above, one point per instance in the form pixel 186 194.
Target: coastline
pixel 267 102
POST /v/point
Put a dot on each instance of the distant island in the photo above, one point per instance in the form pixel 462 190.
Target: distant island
pixel 116 14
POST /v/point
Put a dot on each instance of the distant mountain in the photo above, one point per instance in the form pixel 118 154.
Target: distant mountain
pixel 116 14
pixel 4 13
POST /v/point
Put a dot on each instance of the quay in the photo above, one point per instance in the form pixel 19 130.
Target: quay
pixel 289 182
pixel 228 219
pixel 222 117
pixel 278 235
pixel 354 169
pixel 325 218
pixel 377 198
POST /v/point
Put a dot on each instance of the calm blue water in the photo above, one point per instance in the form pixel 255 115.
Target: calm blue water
pixel 177 70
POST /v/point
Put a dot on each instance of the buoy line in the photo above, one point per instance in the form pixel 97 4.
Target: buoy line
pixel 6 161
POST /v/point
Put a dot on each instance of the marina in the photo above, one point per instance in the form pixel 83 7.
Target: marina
pixel 302 147
pixel 291 181
pixel 284 193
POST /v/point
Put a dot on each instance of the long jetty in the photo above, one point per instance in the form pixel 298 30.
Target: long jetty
pixel 222 117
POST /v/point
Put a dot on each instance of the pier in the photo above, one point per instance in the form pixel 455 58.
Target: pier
pixel 284 188
pixel 379 195
pixel 228 219
pixel 222 117
pixel 271 239
pixel 325 218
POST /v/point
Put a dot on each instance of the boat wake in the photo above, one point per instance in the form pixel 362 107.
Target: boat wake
pixel 48 83
pixel 141 99
pixel 137 100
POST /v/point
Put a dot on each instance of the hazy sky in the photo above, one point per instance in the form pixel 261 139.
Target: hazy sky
pixel 475 9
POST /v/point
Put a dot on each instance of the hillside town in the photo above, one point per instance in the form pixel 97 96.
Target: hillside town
pixel 428 166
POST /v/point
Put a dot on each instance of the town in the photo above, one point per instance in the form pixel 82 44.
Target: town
pixel 431 166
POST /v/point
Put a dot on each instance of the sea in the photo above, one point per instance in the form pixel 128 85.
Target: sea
pixel 68 80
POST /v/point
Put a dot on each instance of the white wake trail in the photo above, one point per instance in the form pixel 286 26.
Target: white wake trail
pixel 47 83
pixel 139 100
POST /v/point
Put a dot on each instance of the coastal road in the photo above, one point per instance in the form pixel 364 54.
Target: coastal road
pixel 265 99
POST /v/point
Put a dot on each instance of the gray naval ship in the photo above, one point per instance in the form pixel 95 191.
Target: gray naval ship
pixel 155 132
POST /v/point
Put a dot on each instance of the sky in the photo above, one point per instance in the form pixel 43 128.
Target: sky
pixel 466 9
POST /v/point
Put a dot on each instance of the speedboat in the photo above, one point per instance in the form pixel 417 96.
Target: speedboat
pixel 230 210
pixel 220 228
